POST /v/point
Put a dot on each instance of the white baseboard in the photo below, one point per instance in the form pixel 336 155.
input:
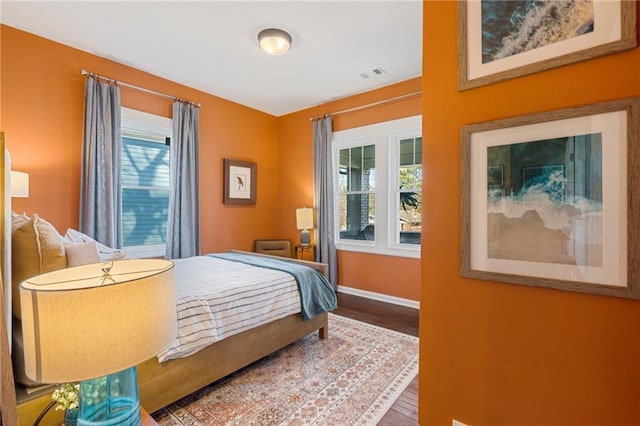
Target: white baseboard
pixel 380 297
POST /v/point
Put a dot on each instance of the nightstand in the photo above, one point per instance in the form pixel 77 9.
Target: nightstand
pixel 299 251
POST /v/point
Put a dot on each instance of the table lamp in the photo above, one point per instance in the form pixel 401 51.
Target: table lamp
pixel 94 323
pixel 304 221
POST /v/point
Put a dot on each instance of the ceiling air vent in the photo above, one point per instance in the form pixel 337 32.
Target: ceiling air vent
pixel 373 73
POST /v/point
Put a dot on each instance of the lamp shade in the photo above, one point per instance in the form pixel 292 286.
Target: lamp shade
pixel 304 218
pixel 274 41
pixel 19 184
pixel 80 323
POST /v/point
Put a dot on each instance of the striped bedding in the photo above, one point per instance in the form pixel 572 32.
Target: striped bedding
pixel 218 298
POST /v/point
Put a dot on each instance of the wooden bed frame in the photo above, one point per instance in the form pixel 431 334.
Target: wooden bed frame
pixel 160 384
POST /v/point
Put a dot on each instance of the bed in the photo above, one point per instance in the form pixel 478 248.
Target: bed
pixel 161 383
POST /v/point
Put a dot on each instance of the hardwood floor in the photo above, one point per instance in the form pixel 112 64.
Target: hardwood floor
pixel 394 317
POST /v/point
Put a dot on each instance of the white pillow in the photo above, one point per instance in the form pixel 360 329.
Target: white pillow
pixel 104 252
pixel 17 220
pixel 81 253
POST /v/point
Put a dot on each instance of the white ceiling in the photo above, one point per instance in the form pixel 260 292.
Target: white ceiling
pixel 212 45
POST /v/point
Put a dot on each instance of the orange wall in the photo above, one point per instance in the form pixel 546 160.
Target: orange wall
pixel 394 276
pixel 494 353
pixel 42 98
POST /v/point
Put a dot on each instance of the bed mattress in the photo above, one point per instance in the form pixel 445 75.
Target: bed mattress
pixel 218 298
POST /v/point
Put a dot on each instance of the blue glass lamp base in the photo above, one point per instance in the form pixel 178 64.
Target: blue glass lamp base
pixel 305 237
pixel 110 400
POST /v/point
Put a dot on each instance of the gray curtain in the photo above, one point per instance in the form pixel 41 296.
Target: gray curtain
pixel 100 193
pixel 323 193
pixel 183 226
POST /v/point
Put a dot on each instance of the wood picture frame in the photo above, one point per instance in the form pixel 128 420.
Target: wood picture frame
pixel 239 182
pixel 564 217
pixel 490 34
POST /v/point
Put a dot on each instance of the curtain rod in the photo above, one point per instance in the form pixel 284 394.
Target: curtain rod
pixel 141 89
pixel 383 102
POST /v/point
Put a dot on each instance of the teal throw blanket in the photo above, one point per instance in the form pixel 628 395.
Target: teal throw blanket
pixel 316 293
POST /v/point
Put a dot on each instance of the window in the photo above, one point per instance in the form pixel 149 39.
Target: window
pixel 145 182
pixel 356 192
pixel 378 190
pixel 408 187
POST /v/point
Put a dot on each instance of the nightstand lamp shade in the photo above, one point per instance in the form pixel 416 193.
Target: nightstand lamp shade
pixel 19 184
pixel 304 221
pixel 90 321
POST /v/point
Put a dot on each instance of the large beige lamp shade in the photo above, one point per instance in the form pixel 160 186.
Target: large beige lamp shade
pixel 94 323
pixel 78 323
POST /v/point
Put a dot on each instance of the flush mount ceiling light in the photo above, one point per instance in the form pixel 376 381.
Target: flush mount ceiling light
pixel 274 41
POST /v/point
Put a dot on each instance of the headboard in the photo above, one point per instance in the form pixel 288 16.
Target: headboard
pixel 5 230
pixel 8 406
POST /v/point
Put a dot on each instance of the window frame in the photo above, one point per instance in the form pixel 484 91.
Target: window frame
pixel 382 136
pixel 347 144
pixel 395 137
pixel 144 123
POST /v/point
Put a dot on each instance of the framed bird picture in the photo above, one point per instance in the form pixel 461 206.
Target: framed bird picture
pixel 239 182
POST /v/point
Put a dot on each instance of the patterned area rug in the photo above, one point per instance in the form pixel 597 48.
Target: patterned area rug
pixel 351 378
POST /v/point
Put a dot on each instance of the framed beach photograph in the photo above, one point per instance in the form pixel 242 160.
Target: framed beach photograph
pixel 503 39
pixel 562 216
pixel 239 182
